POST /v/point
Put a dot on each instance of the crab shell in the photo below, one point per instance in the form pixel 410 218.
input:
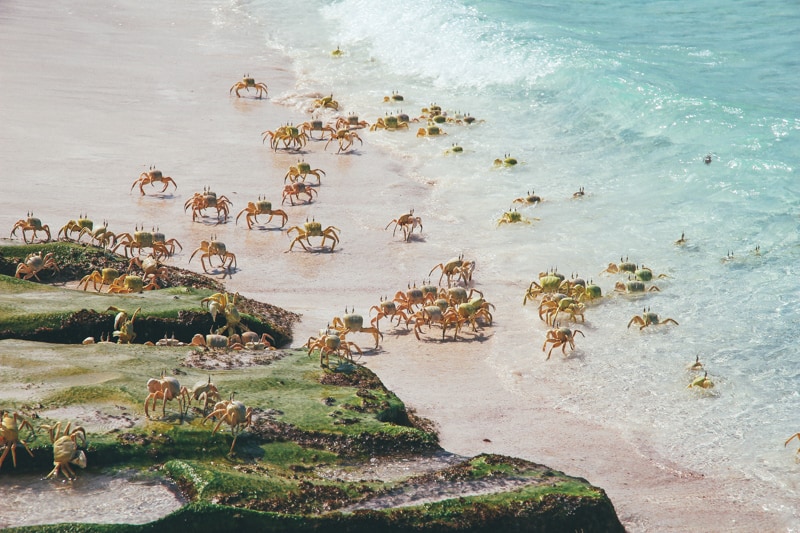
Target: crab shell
pixel 264 206
pixel 216 341
pixel 353 322
pixel 144 238
pixel 65 450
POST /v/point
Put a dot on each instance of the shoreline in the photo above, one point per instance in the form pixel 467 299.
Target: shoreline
pixel 111 102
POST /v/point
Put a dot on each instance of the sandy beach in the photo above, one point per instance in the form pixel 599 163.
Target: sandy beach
pixel 92 95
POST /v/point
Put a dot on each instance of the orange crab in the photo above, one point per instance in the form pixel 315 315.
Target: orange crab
pixel 261 207
pixel 208 199
pixel 313 229
pixel 152 177
pixel 31 223
pixel 294 190
pixel 301 171
pixel 406 222
pixel 345 138
pixel 560 336
pixel 10 426
pixel 248 83
pixel 214 248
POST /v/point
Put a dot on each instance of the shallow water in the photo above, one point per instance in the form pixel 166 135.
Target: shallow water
pixel 625 101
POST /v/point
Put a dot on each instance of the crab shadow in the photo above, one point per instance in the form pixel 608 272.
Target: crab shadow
pixel 156 196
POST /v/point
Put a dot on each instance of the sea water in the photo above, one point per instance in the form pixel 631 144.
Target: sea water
pixel 625 100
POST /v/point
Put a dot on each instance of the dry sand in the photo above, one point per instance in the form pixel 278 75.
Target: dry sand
pixel 92 95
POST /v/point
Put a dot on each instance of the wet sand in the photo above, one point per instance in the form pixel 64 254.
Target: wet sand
pixel 92 96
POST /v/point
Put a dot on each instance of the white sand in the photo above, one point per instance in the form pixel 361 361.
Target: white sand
pixel 92 95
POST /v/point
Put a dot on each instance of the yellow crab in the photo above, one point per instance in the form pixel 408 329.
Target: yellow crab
pixel 624 266
pixel 66 449
pixel 10 426
pixel 471 311
pixel 166 388
pixel 301 171
pixel 326 102
pixel 407 222
pixel 105 276
pixel 101 236
pixel 308 128
pixel 354 323
pixel 123 326
pixel 431 130
pixel 513 217
pixel 151 177
pixel 390 123
pixel 247 83
pixel 33 224
pixel 649 318
pixel 506 161
pixel 795 436
pixel 330 343
pixel 140 240
pixel 208 199
pixel 261 207
pixel 215 248
pixel 549 282
pixel 454 149
pixel 83 222
pixel 129 283
pixel 560 336
pixel 634 287
pixel 313 229
pixel 387 308
pixel 35 263
pixel 433 314
pixel 226 304
pixel 702 382
pixel 351 122
pixel 550 308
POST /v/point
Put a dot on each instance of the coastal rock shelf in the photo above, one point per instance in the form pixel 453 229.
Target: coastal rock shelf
pixel 322 452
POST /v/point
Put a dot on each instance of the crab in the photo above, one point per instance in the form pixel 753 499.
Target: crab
pixel 579 193
pixel 389 123
pixel 387 309
pixel 130 283
pixel 329 342
pixel 10 426
pixel 549 282
pixel 35 263
pixel 31 223
pixel 550 308
pixel 683 240
pixel 456 267
pixel 702 381
pixel 326 102
pixel 166 388
pixel 66 450
pixel 406 222
pixel 624 266
pixel 795 436
pixel 246 83
pixel 345 138
pixel 261 207
pixel 560 336
pixel 512 217
pixel 530 199
pixel 337 53
pixel 431 130
pixel 214 248
pixel 252 341
pixel 313 229
pixel 150 267
pixel 433 314
pixel 634 287
pixel 506 161
pixel 354 323
pixel 406 300
pixel 294 190
pixel 123 326
pixel 351 122
pixel 457 295
pixel 140 240
pixel 301 171
pixel 474 309
pixel 221 302
pixel 649 318
pixel 394 97
pixel 697 365
pixel 161 242
pixel 105 276
pixel 235 414
pixel 589 292
pixel 288 134
pixel 208 199
pixel 308 128
pixel 101 236
pixel 206 393
pixel 78 226
pixel 431 112
pixel 643 273
pixel 454 149
pixel 153 176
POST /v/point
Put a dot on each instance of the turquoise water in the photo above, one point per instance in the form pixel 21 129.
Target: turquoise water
pixel 625 100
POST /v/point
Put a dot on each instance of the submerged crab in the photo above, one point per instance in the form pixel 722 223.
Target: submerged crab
pixel 10 426
pixel 513 217
pixel 623 266
pixel 34 264
pixel 313 229
pixel 506 161
pixel 261 207
pixel 152 177
pixel 649 318
pixel 326 102
pixel 66 450
pixel 32 224
pixel 431 130
pixel 247 83
pixel 407 222
pixel 702 382
pixel 530 199
pixel 454 149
